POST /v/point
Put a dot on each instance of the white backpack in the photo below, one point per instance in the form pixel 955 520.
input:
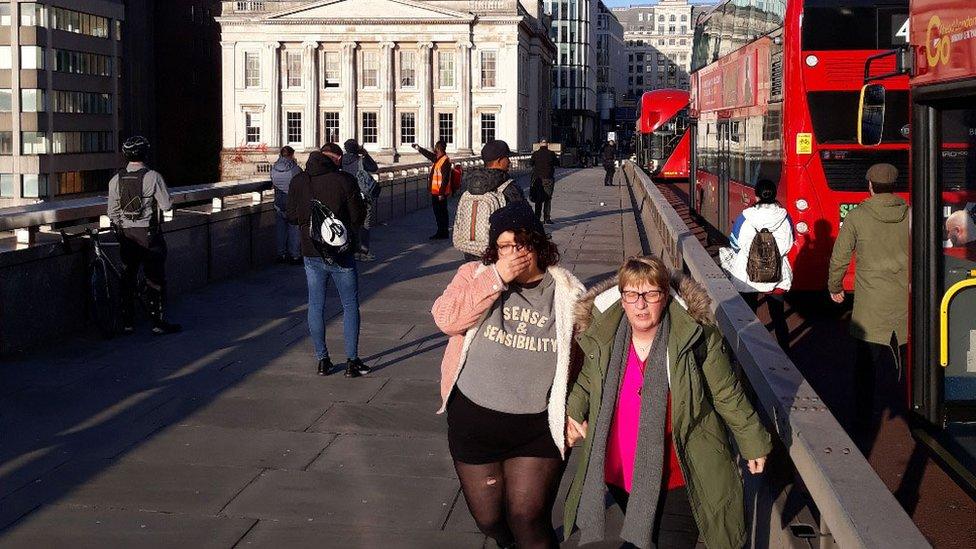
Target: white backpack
pixel 471 221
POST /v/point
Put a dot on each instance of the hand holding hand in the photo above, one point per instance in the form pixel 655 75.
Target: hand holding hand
pixel 511 266
pixel 757 466
pixel 575 431
pixel 838 297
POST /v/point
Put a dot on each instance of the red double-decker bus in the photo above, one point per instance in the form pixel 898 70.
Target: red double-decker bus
pixel 775 89
pixel 942 63
pixel 662 139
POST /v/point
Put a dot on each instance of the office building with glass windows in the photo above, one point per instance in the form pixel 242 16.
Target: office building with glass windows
pixel 59 92
pixel 574 71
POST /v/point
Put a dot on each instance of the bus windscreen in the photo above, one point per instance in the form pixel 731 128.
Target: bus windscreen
pixel 841 25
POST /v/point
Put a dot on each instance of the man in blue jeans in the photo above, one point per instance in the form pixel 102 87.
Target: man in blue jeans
pixel 339 192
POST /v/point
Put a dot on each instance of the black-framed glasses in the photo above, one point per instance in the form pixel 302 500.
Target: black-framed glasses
pixel 651 297
pixel 505 249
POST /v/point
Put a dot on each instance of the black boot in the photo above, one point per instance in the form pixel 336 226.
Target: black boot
pixel 325 367
pixel 156 309
pixel 356 368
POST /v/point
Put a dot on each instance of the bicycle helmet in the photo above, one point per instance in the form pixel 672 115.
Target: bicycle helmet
pixel 135 148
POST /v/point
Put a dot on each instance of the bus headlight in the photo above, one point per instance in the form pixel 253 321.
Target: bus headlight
pixel 802 227
pixel 802 205
pixel 812 60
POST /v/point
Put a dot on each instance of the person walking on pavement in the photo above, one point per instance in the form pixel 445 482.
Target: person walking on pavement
pixel 761 228
pixel 439 184
pixel 282 172
pixel 357 162
pixel 339 192
pixel 504 378
pixel 654 402
pixel 544 163
pixel 609 162
pixel 136 197
pixel 877 232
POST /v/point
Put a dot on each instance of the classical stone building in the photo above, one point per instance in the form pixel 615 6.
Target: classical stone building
pixel 388 73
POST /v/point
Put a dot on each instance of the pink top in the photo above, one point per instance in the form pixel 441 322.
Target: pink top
pixel 622 441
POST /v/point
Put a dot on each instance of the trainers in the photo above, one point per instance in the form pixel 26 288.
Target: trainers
pixel 325 367
pixel 282 259
pixel 161 327
pixel 356 368
pixel 548 221
pixel 366 257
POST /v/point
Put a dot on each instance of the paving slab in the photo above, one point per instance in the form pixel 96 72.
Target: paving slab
pixel 311 535
pixel 420 457
pixel 259 413
pixel 318 390
pixel 405 420
pixel 408 391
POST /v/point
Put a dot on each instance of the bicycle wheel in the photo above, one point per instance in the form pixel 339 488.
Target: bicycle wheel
pixel 103 302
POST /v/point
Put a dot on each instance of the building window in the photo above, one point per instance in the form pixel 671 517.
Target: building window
pixel 370 127
pixel 660 18
pixel 294 69
pixel 488 63
pixel 33 143
pixel 7 188
pixel 684 18
pixel 294 127
pixel 252 127
pixel 408 128
pixel 78 62
pixel 487 127
pixel 82 102
pixel 671 42
pixel 32 14
pixel 445 66
pixel 6 143
pixel 6 62
pixel 4 15
pixel 408 70
pixel 332 69
pixel 80 23
pixel 32 58
pixel 683 42
pixel 81 142
pixel 5 100
pixel 34 185
pixel 330 123
pixel 252 70
pixel 32 100
pixel 371 69
pixel 83 181
pixel 445 127
pixel 684 29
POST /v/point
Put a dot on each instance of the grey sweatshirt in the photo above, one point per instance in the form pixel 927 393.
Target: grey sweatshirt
pixel 155 198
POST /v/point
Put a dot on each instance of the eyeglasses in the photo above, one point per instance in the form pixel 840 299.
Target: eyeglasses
pixel 505 249
pixel 651 297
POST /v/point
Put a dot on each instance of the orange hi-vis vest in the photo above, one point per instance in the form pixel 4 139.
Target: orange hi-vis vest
pixel 437 176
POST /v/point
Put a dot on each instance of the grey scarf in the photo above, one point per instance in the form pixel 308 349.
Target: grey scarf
pixel 638 527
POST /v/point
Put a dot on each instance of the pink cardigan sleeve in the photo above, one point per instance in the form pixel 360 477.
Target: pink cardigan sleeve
pixel 466 298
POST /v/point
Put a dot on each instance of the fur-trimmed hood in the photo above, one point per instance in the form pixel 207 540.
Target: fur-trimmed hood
pixel 686 291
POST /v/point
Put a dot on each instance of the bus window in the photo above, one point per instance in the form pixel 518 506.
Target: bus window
pixel 847 21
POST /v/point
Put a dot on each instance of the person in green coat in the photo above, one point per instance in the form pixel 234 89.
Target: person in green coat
pixel 877 232
pixel 658 442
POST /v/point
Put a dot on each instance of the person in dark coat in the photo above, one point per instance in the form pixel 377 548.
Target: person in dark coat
pixel 609 162
pixel 544 163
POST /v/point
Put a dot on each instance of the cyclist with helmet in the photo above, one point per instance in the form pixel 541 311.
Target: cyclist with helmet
pixel 136 197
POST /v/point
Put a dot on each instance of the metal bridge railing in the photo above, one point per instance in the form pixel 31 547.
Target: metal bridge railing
pixel 854 504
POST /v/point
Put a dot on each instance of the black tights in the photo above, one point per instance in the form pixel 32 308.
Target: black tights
pixel 511 501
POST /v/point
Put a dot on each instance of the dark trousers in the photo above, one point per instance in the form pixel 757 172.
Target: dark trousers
pixel 611 170
pixel 544 187
pixel 777 314
pixel 146 249
pixel 440 214
pixel 879 386
pixel 543 209
pixel 674 523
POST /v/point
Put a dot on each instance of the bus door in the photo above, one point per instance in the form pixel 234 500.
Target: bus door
pixel 724 173
pixel 944 259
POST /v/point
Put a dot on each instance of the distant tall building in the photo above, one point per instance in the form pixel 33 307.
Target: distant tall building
pixel 611 70
pixel 574 96
pixel 59 97
pixel 388 73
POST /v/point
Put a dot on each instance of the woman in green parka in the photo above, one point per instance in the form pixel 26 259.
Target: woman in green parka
pixel 658 441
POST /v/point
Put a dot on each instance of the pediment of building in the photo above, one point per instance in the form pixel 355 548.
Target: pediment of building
pixel 369 10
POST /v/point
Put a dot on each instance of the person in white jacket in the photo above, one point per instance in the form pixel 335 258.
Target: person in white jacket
pixel 767 213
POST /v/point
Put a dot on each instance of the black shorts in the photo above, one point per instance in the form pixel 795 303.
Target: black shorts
pixel 477 435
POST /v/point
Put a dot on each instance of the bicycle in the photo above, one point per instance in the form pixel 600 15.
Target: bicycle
pixel 104 299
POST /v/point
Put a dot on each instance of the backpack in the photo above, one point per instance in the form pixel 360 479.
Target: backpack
pixel 456 174
pixel 471 221
pixel 764 264
pixel 132 203
pixel 367 185
pixel 328 233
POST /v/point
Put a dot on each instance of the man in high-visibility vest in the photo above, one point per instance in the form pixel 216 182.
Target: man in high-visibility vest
pixel 439 185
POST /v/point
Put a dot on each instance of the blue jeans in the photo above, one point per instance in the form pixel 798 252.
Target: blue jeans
pixel 346 279
pixel 287 235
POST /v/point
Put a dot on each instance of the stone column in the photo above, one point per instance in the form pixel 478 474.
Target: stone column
pixel 425 84
pixel 274 95
pixel 347 124
pixel 463 125
pixel 229 87
pixel 387 119
pixel 311 121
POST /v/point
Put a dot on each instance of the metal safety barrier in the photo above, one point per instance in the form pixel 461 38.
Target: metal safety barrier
pixel 854 504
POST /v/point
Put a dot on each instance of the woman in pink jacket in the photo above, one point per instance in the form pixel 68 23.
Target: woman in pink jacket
pixel 505 375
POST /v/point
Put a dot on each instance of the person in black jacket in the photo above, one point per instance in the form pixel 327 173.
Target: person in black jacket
pixel 439 185
pixel 322 180
pixel 544 163
pixel 609 162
